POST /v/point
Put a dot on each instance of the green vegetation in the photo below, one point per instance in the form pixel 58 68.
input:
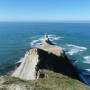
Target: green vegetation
pixel 52 81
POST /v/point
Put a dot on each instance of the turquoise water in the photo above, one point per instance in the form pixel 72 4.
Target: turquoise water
pixel 17 37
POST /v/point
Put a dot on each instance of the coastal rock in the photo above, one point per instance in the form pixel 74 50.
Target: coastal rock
pixel 27 69
pixel 45 56
pixel 2 79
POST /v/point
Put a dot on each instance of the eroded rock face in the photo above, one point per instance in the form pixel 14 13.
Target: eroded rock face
pixel 27 69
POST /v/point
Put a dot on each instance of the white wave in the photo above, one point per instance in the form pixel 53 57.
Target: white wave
pixel 87 59
pixel 79 47
pixel 73 49
pixel 22 59
pixel 38 41
pixel 54 37
pixel 87 70
pixel 33 42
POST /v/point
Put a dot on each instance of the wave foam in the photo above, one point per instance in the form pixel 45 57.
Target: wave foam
pixel 54 37
pixel 38 41
pixel 34 42
pixel 73 49
pixel 87 70
pixel 87 59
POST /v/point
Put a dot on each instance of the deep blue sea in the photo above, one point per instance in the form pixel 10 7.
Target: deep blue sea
pixel 17 37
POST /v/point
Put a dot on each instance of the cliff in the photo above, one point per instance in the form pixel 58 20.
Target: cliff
pixel 46 56
pixel 45 67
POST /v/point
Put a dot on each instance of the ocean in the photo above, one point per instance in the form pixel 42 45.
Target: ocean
pixel 17 37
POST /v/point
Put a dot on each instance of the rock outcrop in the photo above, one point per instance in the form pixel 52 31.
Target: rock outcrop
pixel 45 56
pixel 27 69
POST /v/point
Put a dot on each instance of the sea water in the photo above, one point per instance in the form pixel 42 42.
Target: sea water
pixel 17 37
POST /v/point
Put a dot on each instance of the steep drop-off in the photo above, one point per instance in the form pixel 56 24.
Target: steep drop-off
pixel 45 56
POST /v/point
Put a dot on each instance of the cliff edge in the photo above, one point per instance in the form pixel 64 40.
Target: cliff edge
pixel 45 56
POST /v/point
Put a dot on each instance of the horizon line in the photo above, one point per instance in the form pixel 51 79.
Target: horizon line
pixel 62 21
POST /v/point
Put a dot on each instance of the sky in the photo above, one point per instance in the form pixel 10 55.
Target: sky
pixel 44 10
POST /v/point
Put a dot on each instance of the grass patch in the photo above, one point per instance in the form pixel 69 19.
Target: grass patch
pixel 53 81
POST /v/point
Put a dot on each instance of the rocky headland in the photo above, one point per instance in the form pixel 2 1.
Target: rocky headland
pixel 45 67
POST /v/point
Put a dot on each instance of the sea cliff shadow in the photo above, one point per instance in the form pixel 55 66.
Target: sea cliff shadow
pixel 58 64
pixel 49 61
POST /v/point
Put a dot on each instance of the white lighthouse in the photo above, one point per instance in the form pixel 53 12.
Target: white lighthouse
pixel 46 37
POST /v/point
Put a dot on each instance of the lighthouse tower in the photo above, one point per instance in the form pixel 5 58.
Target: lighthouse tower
pixel 46 39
